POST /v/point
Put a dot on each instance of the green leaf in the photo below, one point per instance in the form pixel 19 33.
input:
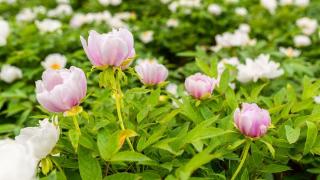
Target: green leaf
pixel 231 99
pixel 270 147
pixel 224 81
pixel 292 134
pixel 311 137
pixel 123 176
pixel 275 168
pixel 5 128
pixel 109 144
pixel 203 66
pixel 130 156
pixel 89 166
pixel 74 137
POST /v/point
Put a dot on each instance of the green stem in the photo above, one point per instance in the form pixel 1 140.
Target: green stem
pixel 76 124
pixel 118 97
pixel 243 159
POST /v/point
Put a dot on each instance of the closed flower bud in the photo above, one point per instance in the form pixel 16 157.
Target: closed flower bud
pixel 200 86
pixel 151 72
pixel 61 90
pixel 251 120
pixel 40 140
pixel 111 49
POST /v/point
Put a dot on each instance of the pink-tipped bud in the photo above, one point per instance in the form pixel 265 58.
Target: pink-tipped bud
pixel 151 72
pixel 61 90
pixel 200 86
pixel 251 120
pixel 111 49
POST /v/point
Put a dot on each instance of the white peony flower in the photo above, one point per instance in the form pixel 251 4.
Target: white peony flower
pixel 172 88
pixel 307 25
pixel 48 25
pixel 301 41
pixel 233 61
pixel 237 39
pixel 290 52
pixel 286 2
pixel 260 68
pixel 115 22
pixel 60 11
pixel 316 99
pixel 8 1
pixel 146 36
pixel 78 20
pixel 270 5
pixel 4 32
pixel 245 28
pixel 214 9
pixel 16 161
pixel 241 11
pixel 10 73
pixel 301 3
pixel 54 61
pixel 40 140
pixel 173 6
pixel 172 22
pixel 26 15
pixel 63 1
pixel 110 2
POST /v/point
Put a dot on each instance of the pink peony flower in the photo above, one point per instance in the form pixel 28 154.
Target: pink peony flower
pixel 151 72
pixel 251 120
pixel 200 86
pixel 111 49
pixel 61 90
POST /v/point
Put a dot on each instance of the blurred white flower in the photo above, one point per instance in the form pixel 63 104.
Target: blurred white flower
pixel 4 32
pixel 8 1
pixel 48 25
pixel 63 1
pixel 16 161
pixel 307 25
pixel 270 5
pixel 146 36
pixel 115 22
pixel 260 68
pixel 39 9
pixel 125 15
pixel 301 3
pixel 77 20
pixel 316 99
pixel 290 52
pixel 60 11
pixel 172 88
pixel 238 38
pixel 214 9
pixel 286 2
pixel 54 61
pixel 245 28
pixel 26 15
pixel 172 22
pixel 10 73
pixel 173 6
pixel 241 11
pixel 40 140
pixel 301 41
pixel 233 61
pixel 110 2
pixel 190 3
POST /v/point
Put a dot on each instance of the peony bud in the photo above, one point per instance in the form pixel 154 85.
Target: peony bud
pixel 251 120
pixel 111 49
pixel 40 140
pixel 61 90
pixel 200 86
pixel 16 162
pixel 151 72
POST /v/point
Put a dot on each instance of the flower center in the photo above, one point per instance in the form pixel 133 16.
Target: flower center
pixel 55 66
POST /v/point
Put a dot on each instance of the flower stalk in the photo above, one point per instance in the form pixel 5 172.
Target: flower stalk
pixel 243 159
